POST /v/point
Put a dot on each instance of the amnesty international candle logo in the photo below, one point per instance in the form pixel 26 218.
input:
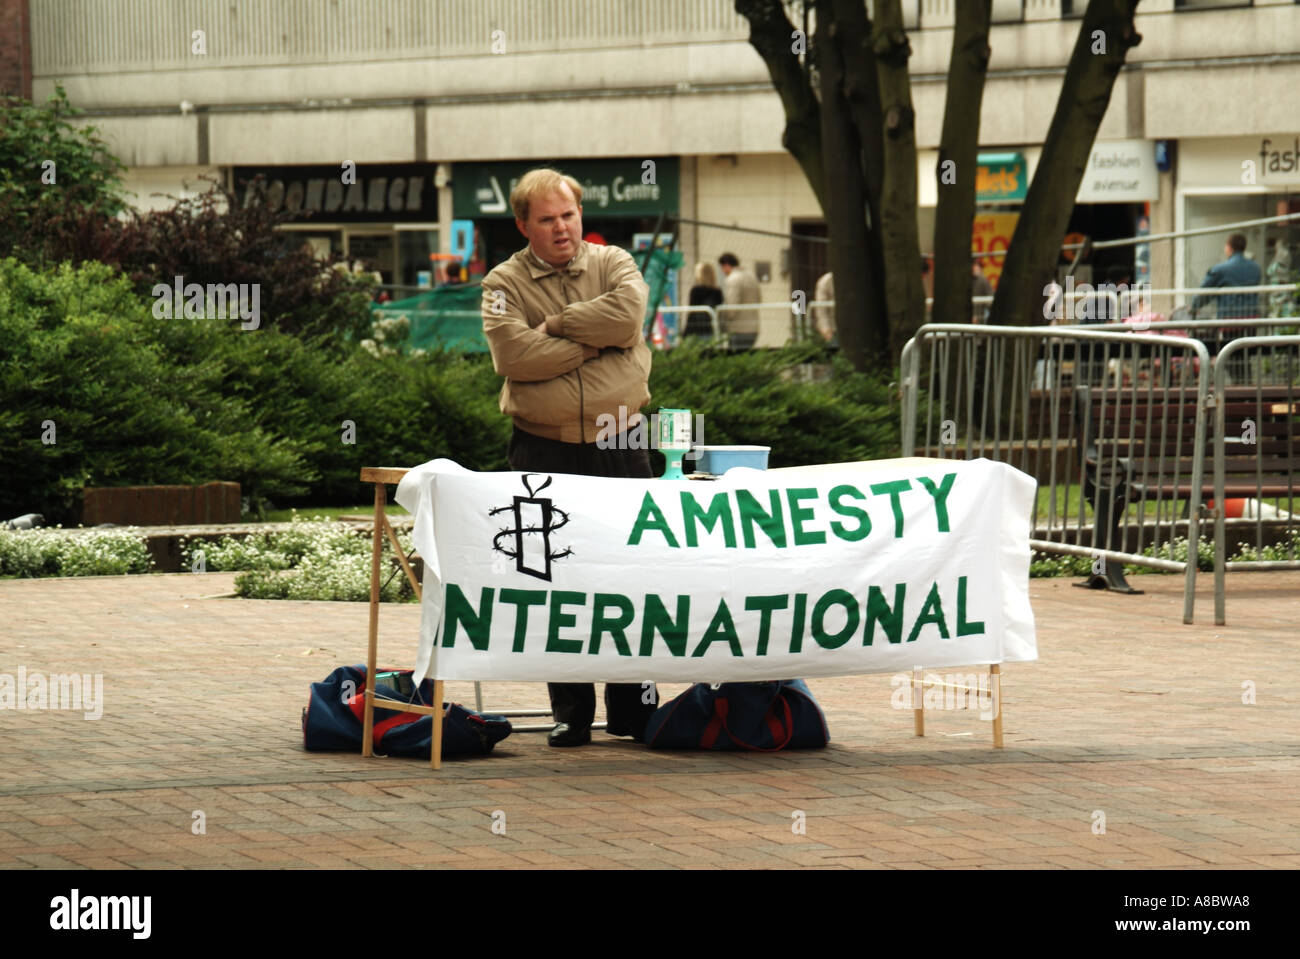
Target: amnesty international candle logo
pixel 528 543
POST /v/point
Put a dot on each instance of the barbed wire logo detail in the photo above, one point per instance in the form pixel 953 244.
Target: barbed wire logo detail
pixel 529 542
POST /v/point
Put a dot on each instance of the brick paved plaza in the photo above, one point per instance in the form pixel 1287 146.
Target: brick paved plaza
pixel 1128 712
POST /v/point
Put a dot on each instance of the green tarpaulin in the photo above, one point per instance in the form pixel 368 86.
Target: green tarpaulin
pixel 447 318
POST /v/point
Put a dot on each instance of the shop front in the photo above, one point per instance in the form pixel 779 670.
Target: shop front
pixel 381 216
pixel 1233 179
pixel 1116 193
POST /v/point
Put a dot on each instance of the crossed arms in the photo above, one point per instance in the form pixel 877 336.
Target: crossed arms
pixel 562 341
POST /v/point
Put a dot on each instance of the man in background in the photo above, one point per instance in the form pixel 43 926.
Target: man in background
pixel 1236 270
pixel 739 287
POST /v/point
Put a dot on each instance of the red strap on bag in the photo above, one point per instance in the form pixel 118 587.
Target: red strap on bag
pixel 777 732
pixel 358 706
pixel 782 732
pixel 719 720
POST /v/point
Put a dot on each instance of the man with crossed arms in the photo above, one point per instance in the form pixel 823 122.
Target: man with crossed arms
pixel 563 319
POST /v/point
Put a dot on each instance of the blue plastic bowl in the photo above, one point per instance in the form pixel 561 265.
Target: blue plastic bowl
pixel 718 459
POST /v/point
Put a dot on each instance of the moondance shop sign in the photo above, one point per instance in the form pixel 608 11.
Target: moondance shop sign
pixel 816 571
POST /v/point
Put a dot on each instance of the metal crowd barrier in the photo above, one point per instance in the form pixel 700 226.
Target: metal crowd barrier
pixel 801 325
pixel 1112 421
pixel 1265 450
pixel 685 311
pixel 1099 417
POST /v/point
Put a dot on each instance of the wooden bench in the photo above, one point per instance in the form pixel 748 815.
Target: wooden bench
pixel 1139 445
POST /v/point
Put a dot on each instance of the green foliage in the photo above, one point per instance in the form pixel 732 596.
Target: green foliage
pixel 212 238
pixel 765 398
pixel 1062 564
pixel 86 177
pixel 141 400
pixel 1286 549
pixel 59 552
pixel 75 356
pixel 314 559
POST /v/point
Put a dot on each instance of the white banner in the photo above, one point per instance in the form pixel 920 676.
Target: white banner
pixel 812 571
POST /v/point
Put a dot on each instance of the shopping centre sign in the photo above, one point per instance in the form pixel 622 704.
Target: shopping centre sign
pixel 610 188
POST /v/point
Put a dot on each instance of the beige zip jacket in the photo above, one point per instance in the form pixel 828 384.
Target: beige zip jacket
pixel 597 300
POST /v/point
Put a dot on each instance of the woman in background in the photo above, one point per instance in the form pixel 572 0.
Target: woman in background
pixel 705 292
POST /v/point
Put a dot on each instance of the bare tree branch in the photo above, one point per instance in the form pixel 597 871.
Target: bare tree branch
pixel 958 162
pixel 1105 36
pixel 771 34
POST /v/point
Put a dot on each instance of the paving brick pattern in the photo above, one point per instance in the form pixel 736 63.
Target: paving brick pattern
pixel 1129 714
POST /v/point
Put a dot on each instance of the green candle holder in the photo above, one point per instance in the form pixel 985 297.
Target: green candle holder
pixel 674 440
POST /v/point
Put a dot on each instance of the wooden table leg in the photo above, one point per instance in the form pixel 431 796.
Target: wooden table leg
pixel 377 547
pixel 995 683
pixel 918 702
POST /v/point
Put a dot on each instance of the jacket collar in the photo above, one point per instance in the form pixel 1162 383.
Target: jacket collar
pixel 538 268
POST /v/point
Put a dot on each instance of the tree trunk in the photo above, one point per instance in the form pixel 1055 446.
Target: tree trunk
pixel 859 300
pixel 861 89
pixel 1030 264
pixel 771 35
pixel 958 160
pixel 899 233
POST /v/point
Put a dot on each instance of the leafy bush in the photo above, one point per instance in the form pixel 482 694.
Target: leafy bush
pixel 211 238
pixel 759 398
pixel 314 559
pixel 59 552
pixel 1286 549
pixel 53 175
pixel 1063 564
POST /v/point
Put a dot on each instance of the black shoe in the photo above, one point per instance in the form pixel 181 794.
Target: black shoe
pixel 625 733
pixel 565 735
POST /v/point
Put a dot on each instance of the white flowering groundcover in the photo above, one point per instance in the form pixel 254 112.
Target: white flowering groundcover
pixel 315 559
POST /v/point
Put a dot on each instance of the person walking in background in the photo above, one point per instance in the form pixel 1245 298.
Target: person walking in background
pixel 740 287
pixel 705 292
pixel 563 319
pixel 824 316
pixel 1236 270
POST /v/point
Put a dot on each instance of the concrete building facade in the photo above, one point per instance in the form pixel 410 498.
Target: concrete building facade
pixel 443 99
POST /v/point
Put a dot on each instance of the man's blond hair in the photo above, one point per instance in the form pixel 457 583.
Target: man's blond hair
pixel 540 182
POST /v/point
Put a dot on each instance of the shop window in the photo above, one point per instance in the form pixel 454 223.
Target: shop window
pixel 413 255
pixel 1274 246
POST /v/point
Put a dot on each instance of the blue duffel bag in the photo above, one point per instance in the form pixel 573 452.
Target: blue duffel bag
pixel 763 717
pixel 335 714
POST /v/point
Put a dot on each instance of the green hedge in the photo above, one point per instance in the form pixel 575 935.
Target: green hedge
pixel 139 400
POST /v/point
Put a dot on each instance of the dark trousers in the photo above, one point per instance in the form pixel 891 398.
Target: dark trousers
pixel 575 703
